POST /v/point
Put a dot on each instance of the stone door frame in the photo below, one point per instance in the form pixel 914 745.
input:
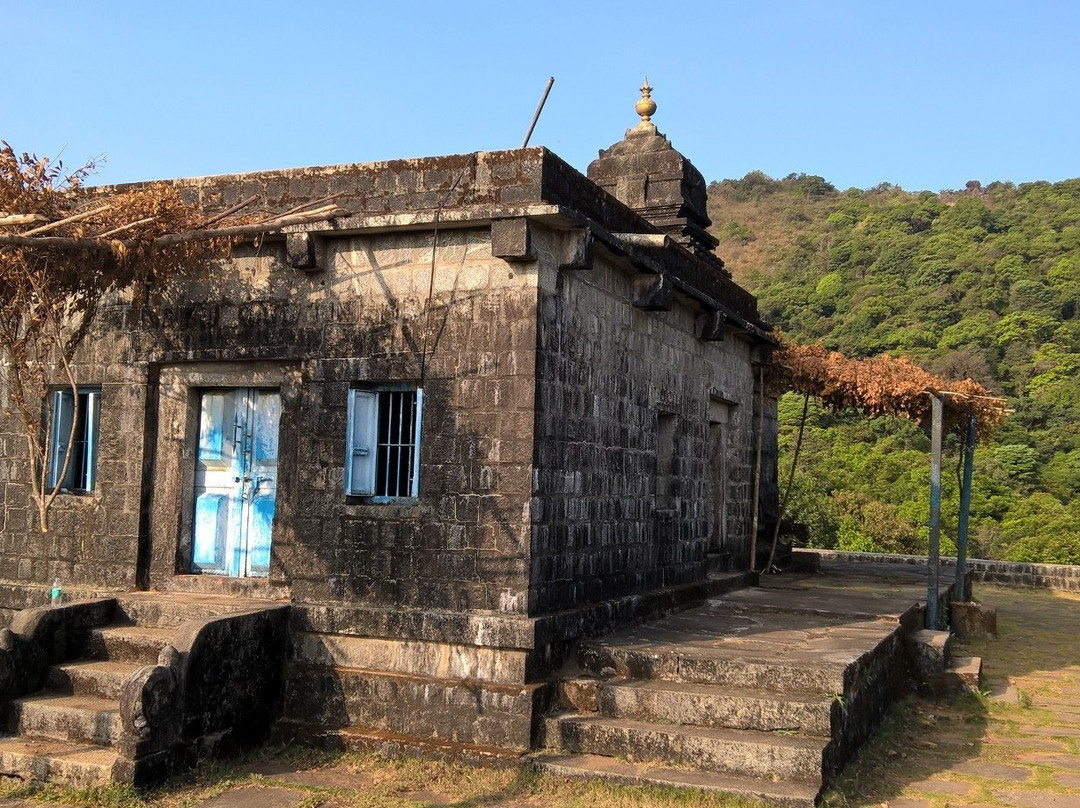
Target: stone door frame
pixel 173 473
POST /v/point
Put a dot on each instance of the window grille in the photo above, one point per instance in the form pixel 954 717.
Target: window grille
pixel 383 443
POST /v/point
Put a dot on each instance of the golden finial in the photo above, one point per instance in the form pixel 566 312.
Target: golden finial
pixel 646 107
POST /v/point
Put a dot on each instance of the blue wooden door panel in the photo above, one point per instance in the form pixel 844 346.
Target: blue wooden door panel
pixel 262 485
pixel 235 481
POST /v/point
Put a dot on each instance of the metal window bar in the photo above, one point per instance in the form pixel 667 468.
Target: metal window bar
pixel 396 444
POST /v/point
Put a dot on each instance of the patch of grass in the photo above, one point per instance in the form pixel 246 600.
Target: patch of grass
pixel 118 796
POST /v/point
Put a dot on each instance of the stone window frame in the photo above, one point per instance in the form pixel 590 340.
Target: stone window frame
pixel 173 474
pixel 665 493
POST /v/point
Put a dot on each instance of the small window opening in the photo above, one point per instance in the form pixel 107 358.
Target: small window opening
pixel 383 443
pixel 80 425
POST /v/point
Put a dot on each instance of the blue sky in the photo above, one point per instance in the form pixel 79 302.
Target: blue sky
pixel 924 93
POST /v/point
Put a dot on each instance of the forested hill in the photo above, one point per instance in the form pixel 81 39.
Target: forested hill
pixel 983 282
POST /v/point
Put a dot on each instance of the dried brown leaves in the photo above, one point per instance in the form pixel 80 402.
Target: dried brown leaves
pixel 882 385
pixel 75 251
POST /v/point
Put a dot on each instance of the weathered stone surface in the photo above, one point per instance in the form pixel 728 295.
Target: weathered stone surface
pixel 717 750
pixel 973 621
pixel 422 707
pixel 440 660
pixel 791 794
pixel 964 672
pixel 956 787
pixel 66 718
pixel 511 240
pixel 1038 799
pixel 60 762
pixel 705 705
pixel 929 652
pixel 1067 779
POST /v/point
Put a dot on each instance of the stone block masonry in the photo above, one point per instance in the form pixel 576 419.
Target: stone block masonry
pixel 606 372
pixel 550 505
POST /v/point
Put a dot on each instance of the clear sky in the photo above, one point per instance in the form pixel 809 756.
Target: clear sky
pixel 927 94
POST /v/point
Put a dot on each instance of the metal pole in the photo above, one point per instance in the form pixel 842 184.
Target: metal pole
pixel 965 509
pixel 934 561
pixel 539 109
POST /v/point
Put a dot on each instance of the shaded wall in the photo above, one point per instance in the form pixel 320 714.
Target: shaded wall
pixel 605 372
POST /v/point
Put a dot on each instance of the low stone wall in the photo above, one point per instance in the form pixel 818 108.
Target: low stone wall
pixel 1004 573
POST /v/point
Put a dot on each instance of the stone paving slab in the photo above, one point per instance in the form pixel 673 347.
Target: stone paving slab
pixel 993 771
pixel 1071 762
pixel 955 787
pixel 1067 779
pixel 328 777
pixel 1038 799
pixel 1029 744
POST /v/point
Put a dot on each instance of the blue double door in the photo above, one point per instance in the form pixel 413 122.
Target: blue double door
pixel 235 481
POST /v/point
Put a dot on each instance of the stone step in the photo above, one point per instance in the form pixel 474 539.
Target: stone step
pixel 788 794
pixel 703 705
pixel 390 744
pixel 931 653
pixel 59 763
pixel 745 753
pixel 104 679
pixel 136 644
pixel 964 673
pixel 675 666
pixel 171 609
pixel 66 718
pixel 461 710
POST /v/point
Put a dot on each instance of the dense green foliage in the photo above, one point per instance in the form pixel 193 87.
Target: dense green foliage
pixel 981 283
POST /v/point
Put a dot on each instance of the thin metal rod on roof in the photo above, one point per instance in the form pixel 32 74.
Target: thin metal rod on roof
pixel 539 109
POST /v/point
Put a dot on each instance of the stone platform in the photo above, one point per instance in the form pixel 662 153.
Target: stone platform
pixel 764 692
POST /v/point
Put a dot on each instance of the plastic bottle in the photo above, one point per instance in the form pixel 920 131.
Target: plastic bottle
pixel 55 595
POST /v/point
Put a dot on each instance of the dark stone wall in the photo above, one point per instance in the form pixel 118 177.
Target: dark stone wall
pixel 477 538
pixel 462 545
pixel 92 540
pixel 605 371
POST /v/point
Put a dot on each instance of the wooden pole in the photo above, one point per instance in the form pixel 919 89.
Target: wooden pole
pixel 757 468
pixel 171 239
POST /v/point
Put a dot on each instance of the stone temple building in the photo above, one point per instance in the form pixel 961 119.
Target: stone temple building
pixel 496 407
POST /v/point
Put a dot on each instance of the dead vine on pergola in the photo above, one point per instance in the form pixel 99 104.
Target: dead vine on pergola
pixel 63 251
pixel 880 385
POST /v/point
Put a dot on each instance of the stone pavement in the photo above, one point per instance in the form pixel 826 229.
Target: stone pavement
pixel 1015 746
pixel 1018 747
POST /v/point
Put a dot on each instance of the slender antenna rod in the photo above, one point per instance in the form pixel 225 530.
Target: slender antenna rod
pixel 539 109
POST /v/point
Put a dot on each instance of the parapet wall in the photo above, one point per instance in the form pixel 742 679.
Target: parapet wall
pixel 1004 573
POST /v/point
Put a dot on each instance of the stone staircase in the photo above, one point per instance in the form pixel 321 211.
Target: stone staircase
pixel 756 695
pixel 83 717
